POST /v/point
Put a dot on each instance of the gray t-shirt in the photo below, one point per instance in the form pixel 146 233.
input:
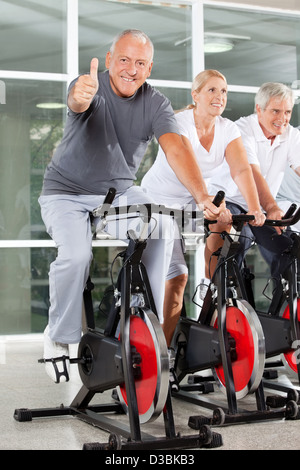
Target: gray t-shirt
pixel 103 147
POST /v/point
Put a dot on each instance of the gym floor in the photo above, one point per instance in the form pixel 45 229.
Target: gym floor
pixel 24 384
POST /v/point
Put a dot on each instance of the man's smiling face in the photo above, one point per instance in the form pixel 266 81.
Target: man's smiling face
pixel 129 65
pixel 275 118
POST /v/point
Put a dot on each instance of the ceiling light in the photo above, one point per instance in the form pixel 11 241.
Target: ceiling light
pixel 217 45
pixel 51 105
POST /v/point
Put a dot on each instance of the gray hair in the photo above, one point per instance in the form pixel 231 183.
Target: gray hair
pixel 136 33
pixel 271 90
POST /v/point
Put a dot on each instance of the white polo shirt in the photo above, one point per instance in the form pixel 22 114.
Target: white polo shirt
pixel 272 159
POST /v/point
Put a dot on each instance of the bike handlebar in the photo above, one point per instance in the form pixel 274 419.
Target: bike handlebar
pixel 284 222
pixel 105 209
pixel 219 197
pixel 288 219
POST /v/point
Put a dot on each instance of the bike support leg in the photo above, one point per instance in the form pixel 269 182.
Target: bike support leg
pixel 224 343
pixel 126 354
pixel 260 398
pixel 293 306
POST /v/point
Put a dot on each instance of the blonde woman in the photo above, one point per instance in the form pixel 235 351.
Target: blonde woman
pixel 212 139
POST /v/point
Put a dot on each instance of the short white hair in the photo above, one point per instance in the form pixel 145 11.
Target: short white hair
pixel 273 90
pixel 135 33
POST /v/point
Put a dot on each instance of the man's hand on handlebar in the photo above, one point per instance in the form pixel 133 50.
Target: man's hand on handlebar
pixel 276 214
pixel 259 218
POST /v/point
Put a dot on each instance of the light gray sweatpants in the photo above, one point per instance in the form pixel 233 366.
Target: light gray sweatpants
pixel 67 221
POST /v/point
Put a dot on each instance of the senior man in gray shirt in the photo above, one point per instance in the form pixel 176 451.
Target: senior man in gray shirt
pixel 111 119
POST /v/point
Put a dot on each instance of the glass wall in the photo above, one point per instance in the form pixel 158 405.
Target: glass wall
pixel 32 68
pixel 167 26
pixel 262 46
pixel 45 45
pixel 257 54
pixel 33 36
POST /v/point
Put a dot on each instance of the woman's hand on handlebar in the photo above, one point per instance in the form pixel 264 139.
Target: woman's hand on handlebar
pixel 259 218
pixel 210 210
pixel 225 216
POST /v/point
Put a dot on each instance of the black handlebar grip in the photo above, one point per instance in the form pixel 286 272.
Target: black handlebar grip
pixel 290 211
pixel 218 198
pixel 102 210
pixel 110 195
pixel 242 217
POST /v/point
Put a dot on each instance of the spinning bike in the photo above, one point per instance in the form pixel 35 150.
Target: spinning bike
pixel 129 356
pixel 282 319
pixel 229 338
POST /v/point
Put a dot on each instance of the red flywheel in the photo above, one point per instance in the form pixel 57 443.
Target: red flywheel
pixel 244 326
pixel 147 337
pixel 290 358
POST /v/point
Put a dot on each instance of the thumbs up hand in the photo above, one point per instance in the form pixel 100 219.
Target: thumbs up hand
pixel 94 70
pixel 84 89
